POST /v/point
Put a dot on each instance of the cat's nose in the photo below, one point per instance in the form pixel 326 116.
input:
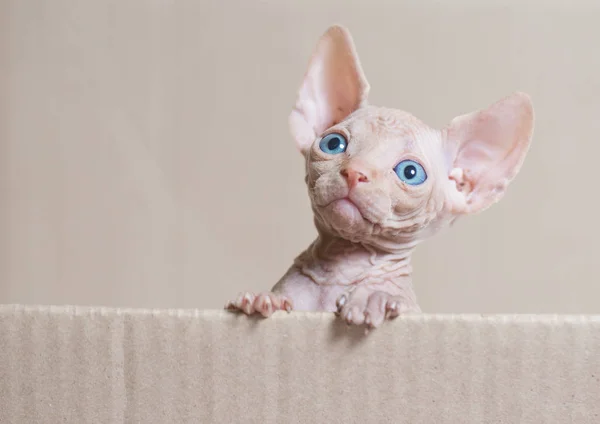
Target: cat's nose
pixel 354 176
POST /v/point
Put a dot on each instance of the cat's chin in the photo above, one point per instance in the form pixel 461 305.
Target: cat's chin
pixel 344 215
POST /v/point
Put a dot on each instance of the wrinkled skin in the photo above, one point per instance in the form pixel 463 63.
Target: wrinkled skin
pixel 368 219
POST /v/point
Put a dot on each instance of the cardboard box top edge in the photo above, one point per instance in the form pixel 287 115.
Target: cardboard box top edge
pixel 218 314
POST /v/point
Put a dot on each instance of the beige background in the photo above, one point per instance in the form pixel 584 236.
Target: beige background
pixel 145 158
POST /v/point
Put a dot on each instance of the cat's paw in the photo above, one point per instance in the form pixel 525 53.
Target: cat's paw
pixel 262 303
pixel 371 309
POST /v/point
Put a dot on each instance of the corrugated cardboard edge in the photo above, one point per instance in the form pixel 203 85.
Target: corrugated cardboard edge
pixel 91 364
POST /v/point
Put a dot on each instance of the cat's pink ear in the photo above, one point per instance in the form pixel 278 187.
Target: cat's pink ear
pixel 485 151
pixel 333 87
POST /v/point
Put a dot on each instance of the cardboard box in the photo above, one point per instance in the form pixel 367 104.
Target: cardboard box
pixel 95 365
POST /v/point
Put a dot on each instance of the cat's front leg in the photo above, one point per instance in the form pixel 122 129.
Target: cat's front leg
pixel 372 305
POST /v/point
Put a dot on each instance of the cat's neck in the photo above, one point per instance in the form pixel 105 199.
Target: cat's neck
pixel 327 246
pixel 336 261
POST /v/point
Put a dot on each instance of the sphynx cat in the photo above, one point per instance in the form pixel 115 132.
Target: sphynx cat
pixel 381 181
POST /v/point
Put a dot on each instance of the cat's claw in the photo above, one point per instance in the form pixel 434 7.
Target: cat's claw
pixel 349 317
pixel 340 302
pixel 264 304
pixel 391 309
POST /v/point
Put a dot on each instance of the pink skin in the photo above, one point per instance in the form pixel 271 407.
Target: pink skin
pixel 369 221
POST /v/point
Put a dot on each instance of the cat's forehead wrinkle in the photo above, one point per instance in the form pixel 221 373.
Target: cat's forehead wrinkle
pixel 384 122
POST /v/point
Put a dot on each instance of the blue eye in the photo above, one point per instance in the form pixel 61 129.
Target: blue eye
pixel 333 144
pixel 410 172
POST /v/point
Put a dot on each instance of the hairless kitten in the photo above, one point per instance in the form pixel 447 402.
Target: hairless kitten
pixel 380 181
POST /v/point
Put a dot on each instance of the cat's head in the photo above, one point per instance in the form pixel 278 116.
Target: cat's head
pixel 381 176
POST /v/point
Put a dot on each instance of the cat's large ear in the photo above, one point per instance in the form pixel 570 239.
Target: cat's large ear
pixel 333 87
pixel 485 151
